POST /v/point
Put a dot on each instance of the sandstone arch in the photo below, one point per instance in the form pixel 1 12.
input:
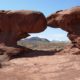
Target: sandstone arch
pixel 68 20
pixel 15 25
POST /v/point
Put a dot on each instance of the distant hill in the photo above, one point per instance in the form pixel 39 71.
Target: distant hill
pixel 36 39
pixel 37 43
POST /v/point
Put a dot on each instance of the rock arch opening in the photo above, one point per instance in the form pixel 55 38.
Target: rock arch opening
pixel 52 34
pixel 49 39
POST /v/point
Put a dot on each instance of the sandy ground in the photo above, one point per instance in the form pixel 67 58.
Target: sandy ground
pixel 53 67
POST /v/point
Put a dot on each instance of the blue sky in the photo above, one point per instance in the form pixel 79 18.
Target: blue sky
pixel 47 7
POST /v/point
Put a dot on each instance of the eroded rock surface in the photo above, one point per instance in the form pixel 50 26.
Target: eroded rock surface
pixel 15 25
pixel 42 68
pixel 68 20
pixel 69 50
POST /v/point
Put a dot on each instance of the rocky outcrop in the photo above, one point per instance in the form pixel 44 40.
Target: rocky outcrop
pixel 69 50
pixel 15 25
pixel 68 20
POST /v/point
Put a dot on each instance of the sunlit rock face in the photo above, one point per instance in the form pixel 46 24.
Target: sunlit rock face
pixel 15 25
pixel 68 20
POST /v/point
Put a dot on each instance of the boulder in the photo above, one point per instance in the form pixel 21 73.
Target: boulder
pixel 69 50
pixel 68 20
pixel 15 25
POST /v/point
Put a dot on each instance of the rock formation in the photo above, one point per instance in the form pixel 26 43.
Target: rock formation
pixel 42 68
pixel 15 25
pixel 68 20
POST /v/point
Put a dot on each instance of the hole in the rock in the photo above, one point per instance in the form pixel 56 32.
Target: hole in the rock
pixel 50 39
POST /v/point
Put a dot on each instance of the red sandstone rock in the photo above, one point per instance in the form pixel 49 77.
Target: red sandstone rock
pixel 68 20
pixel 69 50
pixel 15 25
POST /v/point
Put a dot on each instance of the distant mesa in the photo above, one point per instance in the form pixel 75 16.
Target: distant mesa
pixel 36 39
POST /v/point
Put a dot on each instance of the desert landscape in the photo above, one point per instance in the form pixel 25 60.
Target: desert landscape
pixel 38 58
pixel 42 63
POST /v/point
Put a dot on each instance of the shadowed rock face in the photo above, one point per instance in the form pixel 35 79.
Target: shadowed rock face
pixel 15 25
pixel 68 20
